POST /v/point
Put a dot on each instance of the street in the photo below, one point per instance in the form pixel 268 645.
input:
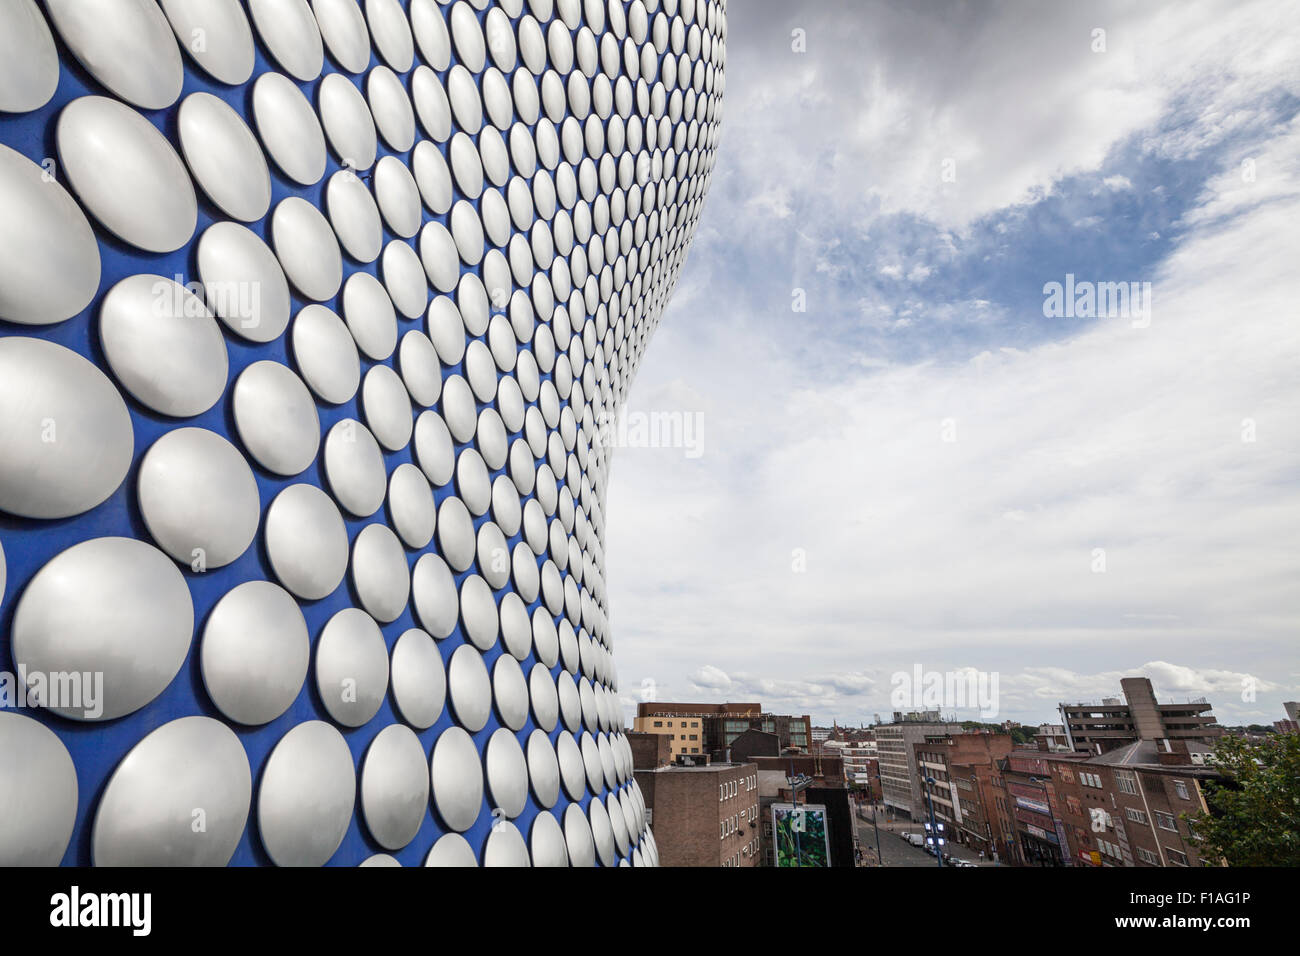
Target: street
pixel 897 851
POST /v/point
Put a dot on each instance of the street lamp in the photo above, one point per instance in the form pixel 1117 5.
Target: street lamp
pixel 984 815
pixel 875 811
pixel 795 823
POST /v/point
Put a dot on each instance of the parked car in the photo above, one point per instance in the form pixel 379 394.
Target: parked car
pixel 906 836
pixel 916 839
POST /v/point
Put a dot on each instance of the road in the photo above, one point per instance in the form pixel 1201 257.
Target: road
pixel 897 851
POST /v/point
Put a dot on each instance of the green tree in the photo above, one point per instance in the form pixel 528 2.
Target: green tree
pixel 1023 735
pixel 1254 817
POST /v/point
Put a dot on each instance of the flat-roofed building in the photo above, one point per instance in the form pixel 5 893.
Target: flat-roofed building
pixel 703 815
pixel 1098 727
pixel 900 782
pixel 698 729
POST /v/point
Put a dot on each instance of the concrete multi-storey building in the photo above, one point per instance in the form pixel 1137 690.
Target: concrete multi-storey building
pixel 705 815
pixel 895 746
pixel 860 758
pixel 862 764
pixel 1052 737
pixel 1096 727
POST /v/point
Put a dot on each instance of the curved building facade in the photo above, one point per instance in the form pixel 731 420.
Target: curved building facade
pixel 313 317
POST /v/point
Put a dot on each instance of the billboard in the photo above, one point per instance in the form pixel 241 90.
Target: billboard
pixel 801 835
pixel 1037 806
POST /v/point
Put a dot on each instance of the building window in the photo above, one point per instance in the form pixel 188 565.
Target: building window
pixel 659 723
pixel 1176 857
pixel 1137 816
pixel 1180 788
pixel 1147 857
pixel 1126 782
pixel 1166 821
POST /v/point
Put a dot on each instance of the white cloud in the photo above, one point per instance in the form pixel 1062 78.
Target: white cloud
pixel 1171 682
pixel 895 109
pixel 1118 443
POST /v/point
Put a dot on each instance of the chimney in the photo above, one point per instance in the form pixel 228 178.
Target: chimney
pixel 1174 753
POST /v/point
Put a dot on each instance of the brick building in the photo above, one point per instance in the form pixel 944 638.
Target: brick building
pixel 1154 788
pixel 696 729
pixel 706 815
pixel 1046 806
pixel 649 750
pixel 987 823
pixel 1132 806
pixel 962 768
pixel 683 724
pixel 753 743
pixel 1291 724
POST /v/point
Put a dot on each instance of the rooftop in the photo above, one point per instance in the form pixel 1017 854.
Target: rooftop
pixel 1105 702
pixel 701 768
pixel 1146 754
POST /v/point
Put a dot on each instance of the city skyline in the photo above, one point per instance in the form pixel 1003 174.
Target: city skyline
pixel 1035 687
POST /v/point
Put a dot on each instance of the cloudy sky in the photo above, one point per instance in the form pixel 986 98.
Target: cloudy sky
pixel 922 468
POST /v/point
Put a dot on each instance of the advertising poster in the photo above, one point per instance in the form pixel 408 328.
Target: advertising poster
pixel 801 835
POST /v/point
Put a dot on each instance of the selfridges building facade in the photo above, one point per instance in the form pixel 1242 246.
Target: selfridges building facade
pixel 313 317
